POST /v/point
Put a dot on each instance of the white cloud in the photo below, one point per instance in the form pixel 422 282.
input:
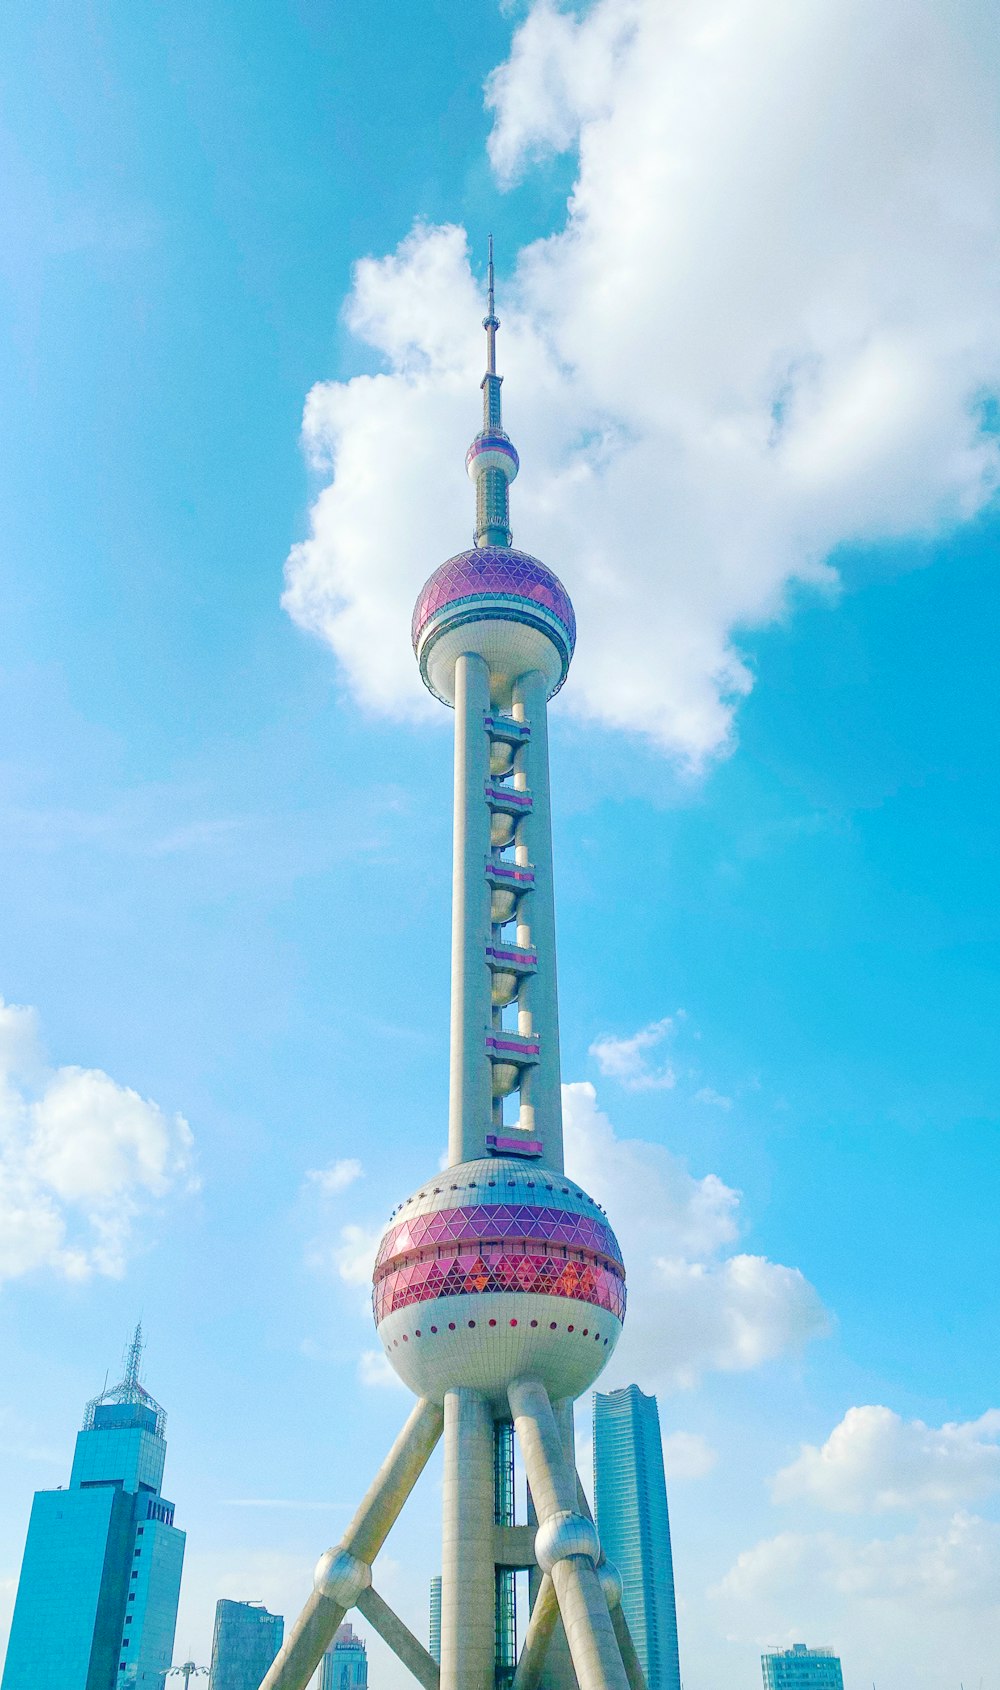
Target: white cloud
pixel 79 1156
pixel 647 1192
pixel 687 1455
pixel 874 1460
pixel 374 1369
pixel 765 331
pixel 896 1607
pixel 716 1099
pixel 692 1307
pixel 626 1059
pixel 337 1177
pixel 354 1256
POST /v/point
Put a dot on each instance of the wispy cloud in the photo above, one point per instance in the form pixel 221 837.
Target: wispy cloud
pixel 337 1177
pixel 627 1059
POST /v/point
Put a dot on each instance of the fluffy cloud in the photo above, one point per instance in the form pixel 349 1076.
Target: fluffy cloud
pixel 337 1177
pixel 79 1154
pixel 627 1059
pixel 874 1460
pixel 768 329
pixel 687 1455
pixel 897 1607
pixel 692 1306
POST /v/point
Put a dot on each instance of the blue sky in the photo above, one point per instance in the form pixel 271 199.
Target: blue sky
pixel 757 447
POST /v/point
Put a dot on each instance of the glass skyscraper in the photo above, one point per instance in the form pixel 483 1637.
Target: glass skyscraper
pixel 97 1598
pixel 244 1643
pixel 801 1668
pixel 631 1496
pixel 345 1664
pixel 434 1644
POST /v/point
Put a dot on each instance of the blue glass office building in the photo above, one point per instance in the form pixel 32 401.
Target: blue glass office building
pixel 97 1597
pixel 631 1496
pixel 801 1668
pixel 244 1644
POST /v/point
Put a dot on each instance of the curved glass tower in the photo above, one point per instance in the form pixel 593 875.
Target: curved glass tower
pixel 630 1491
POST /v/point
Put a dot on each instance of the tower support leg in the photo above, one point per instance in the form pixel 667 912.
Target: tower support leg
pixel 630 1658
pixel 592 1642
pixel 467 1567
pixel 557 1668
pixel 343 1573
pixel 543 1621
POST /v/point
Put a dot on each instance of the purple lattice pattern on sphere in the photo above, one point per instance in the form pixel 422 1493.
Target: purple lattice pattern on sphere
pixel 472 1272
pixel 516 1221
pixel 499 572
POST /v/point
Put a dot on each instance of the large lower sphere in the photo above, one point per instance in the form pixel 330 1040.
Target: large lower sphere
pixel 496 1270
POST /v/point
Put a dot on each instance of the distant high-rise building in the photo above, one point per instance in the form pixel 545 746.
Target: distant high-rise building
pixel 801 1668
pixel 345 1664
pixel 245 1642
pixel 631 1497
pixel 97 1599
pixel 435 1625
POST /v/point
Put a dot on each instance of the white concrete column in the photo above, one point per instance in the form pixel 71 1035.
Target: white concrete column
pixel 470 1108
pixel 343 1573
pixel 538 1638
pixel 555 1666
pixel 590 1634
pixel 467 1567
pixel 539 997
pixel 630 1658
pixel 400 1639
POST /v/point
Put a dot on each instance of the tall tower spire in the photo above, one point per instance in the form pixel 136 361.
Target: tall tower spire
pixel 491 460
pixel 499 1287
pixel 133 1360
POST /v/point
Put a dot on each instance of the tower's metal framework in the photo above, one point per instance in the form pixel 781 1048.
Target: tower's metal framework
pixel 499 1286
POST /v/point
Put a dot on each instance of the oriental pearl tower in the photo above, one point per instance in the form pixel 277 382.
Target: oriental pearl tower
pixel 499 1287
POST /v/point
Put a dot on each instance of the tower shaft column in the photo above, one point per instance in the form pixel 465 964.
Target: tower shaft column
pixel 471 1093
pixel 468 1592
pixel 542 1091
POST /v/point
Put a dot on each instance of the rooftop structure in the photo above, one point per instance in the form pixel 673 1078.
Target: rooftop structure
pixel 499 1286
pixel 97 1598
pixel 345 1663
pixel 801 1668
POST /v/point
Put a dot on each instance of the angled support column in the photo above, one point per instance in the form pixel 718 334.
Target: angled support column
pixel 400 1639
pixel 343 1573
pixel 567 1545
pixel 544 1618
pixel 630 1659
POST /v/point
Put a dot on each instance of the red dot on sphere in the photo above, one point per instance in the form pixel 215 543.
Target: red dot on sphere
pixel 451 1326
pixel 417 1333
pixel 586 1331
pixel 513 1323
pixel 433 1328
pixel 405 1338
pixel 571 1328
pixel 492 1322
